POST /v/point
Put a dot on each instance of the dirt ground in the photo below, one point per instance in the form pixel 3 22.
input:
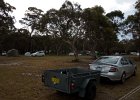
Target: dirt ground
pixel 20 79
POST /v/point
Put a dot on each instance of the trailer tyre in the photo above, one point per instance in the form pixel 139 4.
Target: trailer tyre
pixel 90 91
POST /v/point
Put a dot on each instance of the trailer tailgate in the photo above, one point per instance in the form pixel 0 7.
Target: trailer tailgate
pixel 56 81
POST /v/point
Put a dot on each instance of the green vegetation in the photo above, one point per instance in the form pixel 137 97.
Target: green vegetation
pixel 69 29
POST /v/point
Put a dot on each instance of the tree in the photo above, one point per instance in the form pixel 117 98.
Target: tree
pixel 22 37
pixel 116 17
pixel 132 25
pixel 65 24
pixel 72 26
pixel 6 22
pixel 31 19
pixel 137 15
pixel 99 31
pixel 137 25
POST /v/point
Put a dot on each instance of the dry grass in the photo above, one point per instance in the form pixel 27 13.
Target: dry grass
pixel 20 79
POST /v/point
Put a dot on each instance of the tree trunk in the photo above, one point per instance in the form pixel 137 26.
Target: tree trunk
pixel 74 49
pixel 93 54
pixel 58 49
pixel 30 42
pixel 76 59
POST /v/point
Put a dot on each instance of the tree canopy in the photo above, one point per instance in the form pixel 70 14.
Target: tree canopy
pixel 68 29
pixel 6 22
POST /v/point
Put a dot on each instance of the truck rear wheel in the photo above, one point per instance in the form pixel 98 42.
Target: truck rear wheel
pixel 90 91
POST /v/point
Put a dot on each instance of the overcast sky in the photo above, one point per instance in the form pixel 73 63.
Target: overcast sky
pixel 126 6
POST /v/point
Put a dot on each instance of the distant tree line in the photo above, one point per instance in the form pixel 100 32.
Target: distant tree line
pixel 69 29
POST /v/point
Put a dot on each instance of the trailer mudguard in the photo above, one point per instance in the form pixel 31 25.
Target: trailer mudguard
pixel 84 85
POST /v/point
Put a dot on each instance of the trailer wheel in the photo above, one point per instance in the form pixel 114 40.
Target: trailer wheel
pixel 90 91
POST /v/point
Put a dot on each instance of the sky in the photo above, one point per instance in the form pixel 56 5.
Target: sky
pixel 126 6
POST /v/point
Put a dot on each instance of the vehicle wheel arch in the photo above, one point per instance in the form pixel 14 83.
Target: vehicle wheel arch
pixel 90 90
pixel 84 86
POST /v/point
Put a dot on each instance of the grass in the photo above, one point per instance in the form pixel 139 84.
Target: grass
pixel 20 78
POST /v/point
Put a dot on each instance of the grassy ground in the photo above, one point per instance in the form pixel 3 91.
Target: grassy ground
pixel 20 79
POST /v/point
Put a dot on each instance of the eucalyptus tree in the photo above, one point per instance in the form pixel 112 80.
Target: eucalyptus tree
pixel 116 17
pixel 137 15
pixel 22 40
pixel 49 25
pixel 132 25
pixel 72 26
pixel 65 24
pixel 99 31
pixel 31 21
pixel 6 21
pixel 137 25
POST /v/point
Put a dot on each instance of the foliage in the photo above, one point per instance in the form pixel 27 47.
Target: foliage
pixel 137 15
pixel 64 24
pixel 116 18
pixel 68 29
pixel 18 40
pixel 99 32
pixel 6 22
pixel 132 25
pixel 31 19
pixel 137 24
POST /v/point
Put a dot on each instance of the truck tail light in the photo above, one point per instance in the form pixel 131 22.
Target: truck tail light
pixel 72 86
pixel 113 69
